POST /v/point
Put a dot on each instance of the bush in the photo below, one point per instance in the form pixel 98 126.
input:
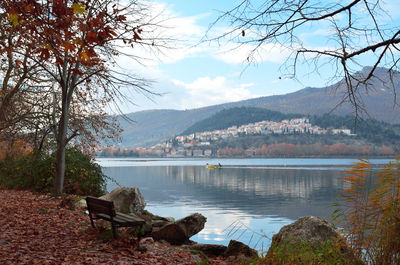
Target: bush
pixel 370 213
pixel 82 175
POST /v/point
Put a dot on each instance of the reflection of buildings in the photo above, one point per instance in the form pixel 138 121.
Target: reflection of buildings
pixel 289 193
pixel 293 183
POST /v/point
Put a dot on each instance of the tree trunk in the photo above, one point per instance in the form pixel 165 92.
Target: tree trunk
pixel 60 155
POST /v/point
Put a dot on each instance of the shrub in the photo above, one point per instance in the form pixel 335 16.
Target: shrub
pixel 370 213
pixel 26 171
pixel 82 175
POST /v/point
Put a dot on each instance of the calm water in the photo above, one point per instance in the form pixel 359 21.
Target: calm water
pixel 257 196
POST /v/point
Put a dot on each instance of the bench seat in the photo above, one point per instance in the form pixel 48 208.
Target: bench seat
pixel 103 209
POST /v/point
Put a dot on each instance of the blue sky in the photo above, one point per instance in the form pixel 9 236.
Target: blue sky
pixel 196 76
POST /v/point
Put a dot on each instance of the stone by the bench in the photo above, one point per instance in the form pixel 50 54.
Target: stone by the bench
pixel 126 200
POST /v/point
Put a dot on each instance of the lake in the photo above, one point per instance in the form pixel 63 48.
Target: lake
pixel 247 199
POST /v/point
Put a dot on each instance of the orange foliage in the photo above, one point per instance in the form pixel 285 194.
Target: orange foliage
pixel 14 149
pixel 386 150
pixel 370 212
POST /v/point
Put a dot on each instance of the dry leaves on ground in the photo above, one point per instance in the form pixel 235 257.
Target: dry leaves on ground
pixel 34 229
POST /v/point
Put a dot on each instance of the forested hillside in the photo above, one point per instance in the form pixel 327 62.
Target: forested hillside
pixel 369 131
pixel 250 131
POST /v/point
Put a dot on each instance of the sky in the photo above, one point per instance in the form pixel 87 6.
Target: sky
pixel 194 74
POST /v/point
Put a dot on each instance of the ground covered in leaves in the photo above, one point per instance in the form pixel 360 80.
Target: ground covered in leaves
pixel 36 229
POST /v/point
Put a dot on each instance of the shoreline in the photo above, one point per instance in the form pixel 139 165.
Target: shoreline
pixel 273 163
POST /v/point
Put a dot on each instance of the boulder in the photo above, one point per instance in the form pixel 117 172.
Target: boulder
pixel 236 248
pixel 152 220
pixel 172 233
pixel 126 200
pixel 180 231
pixel 311 237
pixel 306 229
pixel 192 224
pixel 209 249
pixel 159 223
pixel 155 220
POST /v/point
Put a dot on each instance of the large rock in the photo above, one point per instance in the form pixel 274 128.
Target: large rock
pixel 310 237
pixel 209 249
pixel 309 229
pixel 126 200
pixel 180 231
pixel 155 220
pixel 236 248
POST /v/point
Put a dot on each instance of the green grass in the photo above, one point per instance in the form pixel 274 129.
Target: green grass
pixel 330 252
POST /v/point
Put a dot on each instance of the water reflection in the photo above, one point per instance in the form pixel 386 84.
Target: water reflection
pixel 261 198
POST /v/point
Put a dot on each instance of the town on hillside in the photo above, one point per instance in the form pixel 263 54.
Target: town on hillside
pixel 200 144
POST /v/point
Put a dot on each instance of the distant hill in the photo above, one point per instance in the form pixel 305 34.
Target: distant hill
pixel 155 126
pixel 372 131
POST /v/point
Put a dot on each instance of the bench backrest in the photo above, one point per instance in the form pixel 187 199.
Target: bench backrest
pixel 96 205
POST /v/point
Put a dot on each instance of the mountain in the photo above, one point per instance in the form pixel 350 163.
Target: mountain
pixel 154 126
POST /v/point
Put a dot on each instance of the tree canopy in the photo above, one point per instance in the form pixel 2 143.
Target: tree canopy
pixel 60 66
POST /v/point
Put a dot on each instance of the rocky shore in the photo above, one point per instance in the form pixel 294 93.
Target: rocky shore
pixel 309 236
pixel 129 200
pixel 42 229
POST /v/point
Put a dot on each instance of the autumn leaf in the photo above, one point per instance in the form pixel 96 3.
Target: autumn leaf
pixel 18 63
pixel 121 18
pixel 92 37
pixel 84 57
pixel 58 8
pixel 13 19
pixel 78 8
pixel 77 41
pixel 136 36
pixel 44 54
pixel 68 46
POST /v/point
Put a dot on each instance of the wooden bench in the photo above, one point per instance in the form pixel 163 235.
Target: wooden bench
pixel 103 209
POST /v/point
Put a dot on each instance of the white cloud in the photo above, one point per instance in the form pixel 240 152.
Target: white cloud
pixel 175 36
pixel 205 91
pixel 233 54
pixel 186 32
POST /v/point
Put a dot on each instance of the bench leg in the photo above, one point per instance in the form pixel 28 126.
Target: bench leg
pixel 91 220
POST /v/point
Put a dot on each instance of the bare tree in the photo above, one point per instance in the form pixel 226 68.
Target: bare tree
pixel 355 30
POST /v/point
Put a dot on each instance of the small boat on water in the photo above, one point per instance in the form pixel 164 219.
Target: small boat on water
pixel 213 166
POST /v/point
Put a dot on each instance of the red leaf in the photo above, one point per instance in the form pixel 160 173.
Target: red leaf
pixel 91 37
pixel 18 63
pixel 136 37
